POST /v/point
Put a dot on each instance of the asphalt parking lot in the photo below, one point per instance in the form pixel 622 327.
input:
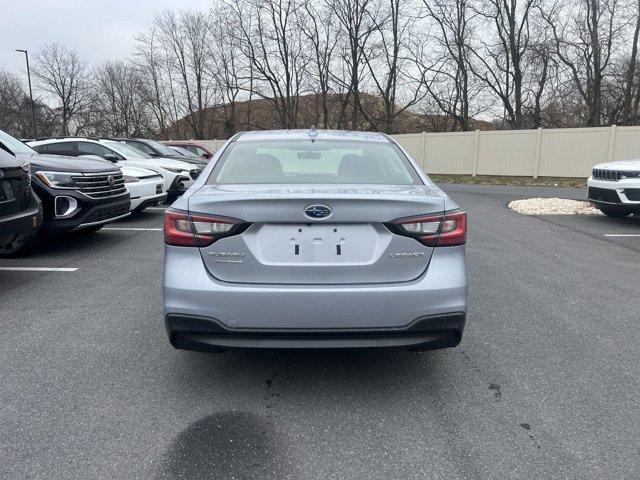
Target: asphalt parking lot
pixel 544 385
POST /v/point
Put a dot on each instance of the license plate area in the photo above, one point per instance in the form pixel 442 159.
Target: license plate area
pixel 318 244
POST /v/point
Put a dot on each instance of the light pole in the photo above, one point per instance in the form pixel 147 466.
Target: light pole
pixel 33 106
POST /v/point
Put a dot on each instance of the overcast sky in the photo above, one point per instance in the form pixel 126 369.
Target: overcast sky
pixel 99 30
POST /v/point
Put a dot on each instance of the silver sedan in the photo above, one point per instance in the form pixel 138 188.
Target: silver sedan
pixel 314 239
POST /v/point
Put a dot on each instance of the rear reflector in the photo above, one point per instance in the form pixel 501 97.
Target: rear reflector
pixel 440 230
pixel 198 230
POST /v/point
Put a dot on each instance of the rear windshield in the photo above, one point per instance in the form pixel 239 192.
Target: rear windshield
pixel 306 161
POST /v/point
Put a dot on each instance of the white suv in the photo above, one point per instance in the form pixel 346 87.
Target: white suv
pixel 614 187
pixel 177 175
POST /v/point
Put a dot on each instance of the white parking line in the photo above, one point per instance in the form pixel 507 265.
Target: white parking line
pixel 156 208
pixel 134 229
pixel 37 269
pixel 622 234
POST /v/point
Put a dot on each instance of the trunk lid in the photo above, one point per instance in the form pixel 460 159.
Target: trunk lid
pixel 285 246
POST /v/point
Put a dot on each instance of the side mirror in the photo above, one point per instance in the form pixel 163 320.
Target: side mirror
pixel 111 157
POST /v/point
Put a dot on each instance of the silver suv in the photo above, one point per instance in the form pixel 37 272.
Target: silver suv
pixel 314 239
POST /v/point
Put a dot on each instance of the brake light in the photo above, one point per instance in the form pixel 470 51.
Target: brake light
pixel 198 230
pixel 441 230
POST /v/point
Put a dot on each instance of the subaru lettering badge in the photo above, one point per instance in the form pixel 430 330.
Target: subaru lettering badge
pixel 317 211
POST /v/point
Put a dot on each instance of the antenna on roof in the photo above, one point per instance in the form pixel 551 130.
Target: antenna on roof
pixel 312 133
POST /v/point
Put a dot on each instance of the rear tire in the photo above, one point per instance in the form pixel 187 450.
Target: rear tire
pixel 614 213
pixel 18 247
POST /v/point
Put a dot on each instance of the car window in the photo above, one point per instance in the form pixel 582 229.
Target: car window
pixel 88 148
pixel 191 148
pixel 125 150
pixel 141 146
pixel 13 144
pixel 200 151
pixel 60 148
pixel 323 161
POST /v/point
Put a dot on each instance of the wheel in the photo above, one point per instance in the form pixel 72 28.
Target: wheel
pixel 18 246
pixel 614 213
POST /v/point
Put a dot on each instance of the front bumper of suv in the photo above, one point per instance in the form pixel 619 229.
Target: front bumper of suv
pixel 622 194
pixel 203 313
pixel 90 212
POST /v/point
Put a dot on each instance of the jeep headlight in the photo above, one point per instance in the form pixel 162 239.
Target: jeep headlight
pixel 630 175
pixel 58 179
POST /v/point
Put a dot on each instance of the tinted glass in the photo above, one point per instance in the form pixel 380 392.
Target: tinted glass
pixel 140 146
pixel 88 148
pixel 60 148
pixel 160 148
pixel 303 161
pixel 126 150
pixel 15 145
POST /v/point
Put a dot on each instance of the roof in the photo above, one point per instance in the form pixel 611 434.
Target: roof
pixel 43 141
pixel 305 135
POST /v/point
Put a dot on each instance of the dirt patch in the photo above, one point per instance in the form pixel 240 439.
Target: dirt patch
pixel 553 206
pixel 509 180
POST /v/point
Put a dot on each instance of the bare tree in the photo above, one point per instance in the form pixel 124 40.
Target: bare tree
pixel 274 47
pixel 629 113
pixel 442 59
pixel 63 75
pixel 585 39
pixel 317 25
pixel 387 62
pixel 499 61
pixel 184 37
pixel 119 99
pixel 358 20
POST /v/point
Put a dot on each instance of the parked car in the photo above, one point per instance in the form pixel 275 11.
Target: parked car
pixel 146 187
pixel 157 149
pixel 20 208
pixel 177 175
pixel 197 148
pixel 76 193
pixel 314 239
pixel 183 151
pixel 614 187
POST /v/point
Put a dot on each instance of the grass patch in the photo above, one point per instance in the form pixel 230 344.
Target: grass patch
pixel 509 180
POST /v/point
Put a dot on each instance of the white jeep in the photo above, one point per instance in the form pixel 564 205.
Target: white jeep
pixel 614 187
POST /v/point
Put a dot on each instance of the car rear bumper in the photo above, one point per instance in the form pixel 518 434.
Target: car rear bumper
pixel 208 334
pixel 190 291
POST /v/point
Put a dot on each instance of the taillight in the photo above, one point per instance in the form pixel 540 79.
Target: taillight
pixel 197 229
pixel 439 230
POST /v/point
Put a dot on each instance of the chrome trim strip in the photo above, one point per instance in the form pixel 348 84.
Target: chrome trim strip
pixel 91 224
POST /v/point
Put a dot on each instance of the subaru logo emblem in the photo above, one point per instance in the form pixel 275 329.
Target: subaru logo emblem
pixel 111 180
pixel 317 211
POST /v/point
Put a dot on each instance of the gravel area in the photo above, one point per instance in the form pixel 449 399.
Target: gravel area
pixel 553 206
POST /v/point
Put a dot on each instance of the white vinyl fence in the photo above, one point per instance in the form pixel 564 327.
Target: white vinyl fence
pixel 565 152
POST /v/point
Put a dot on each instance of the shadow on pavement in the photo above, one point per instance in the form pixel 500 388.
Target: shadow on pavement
pixel 228 444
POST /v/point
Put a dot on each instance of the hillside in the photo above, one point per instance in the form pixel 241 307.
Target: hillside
pixel 260 114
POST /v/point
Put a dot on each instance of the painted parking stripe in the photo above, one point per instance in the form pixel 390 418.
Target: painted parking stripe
pixel 622 234
pixel 37 269
pixel 156 208
pixel 133 229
